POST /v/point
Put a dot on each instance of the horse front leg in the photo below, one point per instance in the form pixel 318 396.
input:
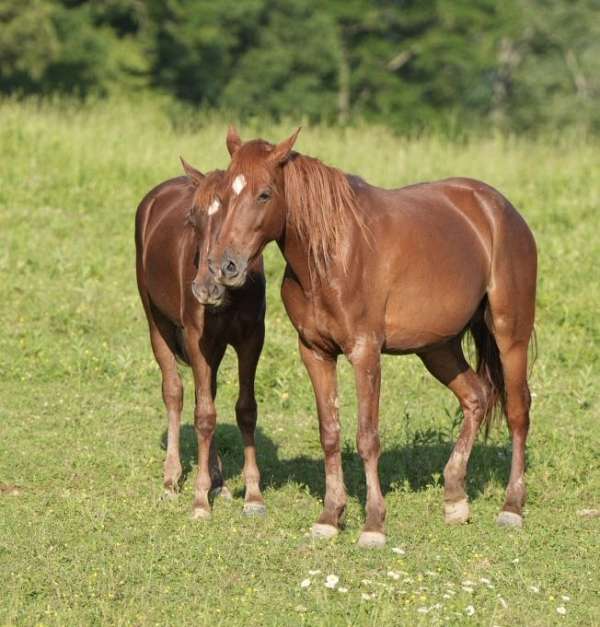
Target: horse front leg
pixel 322 372
pixel 245 410
pixel 205 365
pixel 367 371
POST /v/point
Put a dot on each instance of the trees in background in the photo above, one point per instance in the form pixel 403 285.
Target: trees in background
pixel 407 63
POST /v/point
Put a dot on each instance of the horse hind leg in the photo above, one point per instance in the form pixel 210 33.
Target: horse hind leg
pixel 512 328
pixel 513 355
pixel 162 338
pixel 448 365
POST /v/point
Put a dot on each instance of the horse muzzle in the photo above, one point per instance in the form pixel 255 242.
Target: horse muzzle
pixel 232 270
pixel 210 293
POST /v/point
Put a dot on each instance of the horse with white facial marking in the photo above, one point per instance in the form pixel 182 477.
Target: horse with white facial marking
pixel 193 318
pixel 373 271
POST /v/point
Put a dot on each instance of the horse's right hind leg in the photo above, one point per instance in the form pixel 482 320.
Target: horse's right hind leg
pixel 518 401
pixel 172 393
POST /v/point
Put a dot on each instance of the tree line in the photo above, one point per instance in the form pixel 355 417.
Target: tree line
pixel 516 64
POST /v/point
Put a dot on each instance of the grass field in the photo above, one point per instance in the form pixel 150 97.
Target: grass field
pixel 84 538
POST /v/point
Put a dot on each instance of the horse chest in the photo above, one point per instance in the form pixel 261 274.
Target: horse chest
pixel 315 322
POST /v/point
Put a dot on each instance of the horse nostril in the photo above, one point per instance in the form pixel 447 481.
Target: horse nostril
pixel 229 268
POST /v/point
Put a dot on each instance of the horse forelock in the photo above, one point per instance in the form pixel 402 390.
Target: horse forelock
pixel 207 190
pixel 249 165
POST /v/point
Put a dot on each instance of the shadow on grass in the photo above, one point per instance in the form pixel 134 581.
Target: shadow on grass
pixel 417 463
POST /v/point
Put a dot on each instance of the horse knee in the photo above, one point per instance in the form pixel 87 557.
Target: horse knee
pixel 367 443
pixel 205 421
pixel 330 437
pixel 245 413
pixel 172 390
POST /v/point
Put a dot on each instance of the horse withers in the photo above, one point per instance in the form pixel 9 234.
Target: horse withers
pixel 192 318
pixel 373 271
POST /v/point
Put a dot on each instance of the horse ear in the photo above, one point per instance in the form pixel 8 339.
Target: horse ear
pixel 191 171
pixel 282 151
pixel 233 140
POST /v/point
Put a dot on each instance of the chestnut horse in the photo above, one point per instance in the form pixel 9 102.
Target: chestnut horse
pixel 173 227
pixel 373 271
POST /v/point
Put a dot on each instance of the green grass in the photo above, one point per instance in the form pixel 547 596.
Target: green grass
pixel 85 539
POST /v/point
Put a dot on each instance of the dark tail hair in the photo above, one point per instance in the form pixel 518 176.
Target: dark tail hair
pixel 488 367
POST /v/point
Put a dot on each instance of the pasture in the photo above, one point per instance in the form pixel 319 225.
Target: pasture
pixel 84 538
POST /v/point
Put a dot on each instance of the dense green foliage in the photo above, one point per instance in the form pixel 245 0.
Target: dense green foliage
pixel 84 539
pixel 518 64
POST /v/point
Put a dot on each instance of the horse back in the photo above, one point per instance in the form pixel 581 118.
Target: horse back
pixel 165 247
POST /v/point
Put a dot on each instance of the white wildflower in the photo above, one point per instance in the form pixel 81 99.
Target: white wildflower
pixel 331 581
pixel 561 610
pixel 565 597
pixel 366 581
pixel 485 580
pixel 367 597
pixel 503 603
pixel 423 610
pixel 446 596
pixel 314 572
pixel 305 583
pixel 468 589
pixel 468 583
pixel 342 589
pixel 393 574
pixel 398 551
pixel 469 610
pixel 534 589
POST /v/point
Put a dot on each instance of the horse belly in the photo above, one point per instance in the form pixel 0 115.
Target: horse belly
pixel 433 297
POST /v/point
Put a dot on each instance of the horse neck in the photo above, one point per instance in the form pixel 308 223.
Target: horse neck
pixel 295 252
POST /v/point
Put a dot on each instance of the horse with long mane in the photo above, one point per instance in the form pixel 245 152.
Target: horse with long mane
pixel 373 271
pixel 192 319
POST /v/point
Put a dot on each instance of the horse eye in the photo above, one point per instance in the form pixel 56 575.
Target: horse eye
pixel 264 196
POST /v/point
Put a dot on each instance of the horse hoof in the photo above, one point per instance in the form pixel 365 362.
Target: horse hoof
pixel 321 531
pixel 224 493
pixel 509 519
pixel 371 540
pixel 456 513
pixel 201 514
pixel 254 509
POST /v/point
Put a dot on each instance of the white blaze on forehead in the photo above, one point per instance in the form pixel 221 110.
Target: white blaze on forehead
pixel 238 184
pixel 215 205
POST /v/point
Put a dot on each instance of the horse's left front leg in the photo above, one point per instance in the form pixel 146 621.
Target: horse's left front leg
pixel 245 410
pixel 367 371
pixel 205 364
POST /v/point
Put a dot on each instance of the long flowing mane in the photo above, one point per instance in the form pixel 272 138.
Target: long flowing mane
pixel 321 202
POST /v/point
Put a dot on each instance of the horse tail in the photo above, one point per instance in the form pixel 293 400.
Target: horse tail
pixel 488 367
